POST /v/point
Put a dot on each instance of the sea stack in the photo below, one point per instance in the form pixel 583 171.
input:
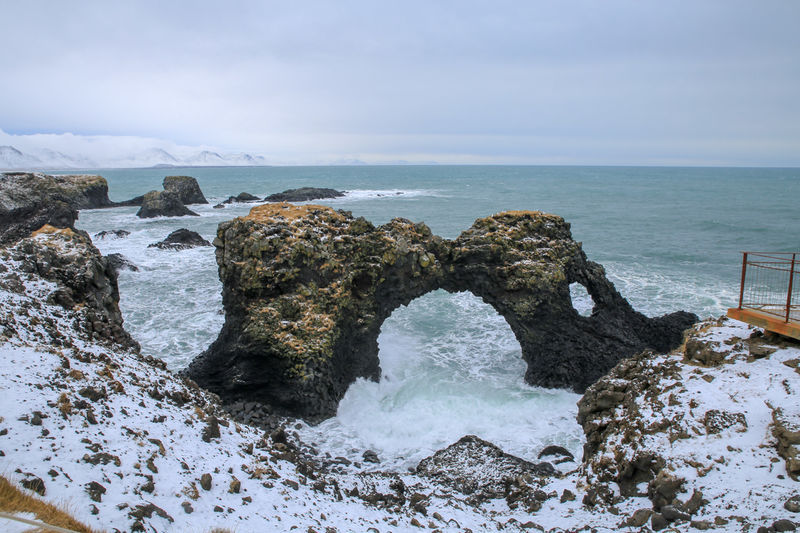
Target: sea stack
pixel 307 288
pixel 163 204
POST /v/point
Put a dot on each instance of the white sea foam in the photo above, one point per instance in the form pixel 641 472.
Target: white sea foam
pixel 451 366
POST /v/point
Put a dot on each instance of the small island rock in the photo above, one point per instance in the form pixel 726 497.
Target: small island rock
pixel 163 204
pixel 304 194
pixel 187 189
pixel 242 197
pixel 181 239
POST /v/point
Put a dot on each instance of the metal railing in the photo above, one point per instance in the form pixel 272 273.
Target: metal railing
pixel 771 283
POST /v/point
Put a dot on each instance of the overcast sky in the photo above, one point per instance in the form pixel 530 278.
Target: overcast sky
pixel 586 82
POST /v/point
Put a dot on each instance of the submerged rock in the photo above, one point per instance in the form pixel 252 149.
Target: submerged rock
pixel 181 239
pixel 163 204
pixel 187 189
pixel 30 200
pixel 304 194
pixel 114 233
pixel 306 290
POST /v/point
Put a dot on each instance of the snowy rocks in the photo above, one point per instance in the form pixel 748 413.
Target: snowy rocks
pixel 306 289
pixel 786 429
pixel 187 189
pixel 28 201
pixel 163 204
pixel 86 280
pixel 304 194
pixel 181 239
pixel 475 466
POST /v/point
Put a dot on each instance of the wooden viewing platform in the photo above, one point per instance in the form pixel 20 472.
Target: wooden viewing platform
pixel 769 296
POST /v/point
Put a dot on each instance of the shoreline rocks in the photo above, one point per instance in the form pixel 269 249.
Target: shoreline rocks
pixel 306 289
pixel 30 200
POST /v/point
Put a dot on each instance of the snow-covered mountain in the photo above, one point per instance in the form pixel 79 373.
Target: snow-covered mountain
pixel 11 159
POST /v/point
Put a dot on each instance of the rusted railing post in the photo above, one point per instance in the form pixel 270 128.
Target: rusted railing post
pixel 789 294
pixel 744 270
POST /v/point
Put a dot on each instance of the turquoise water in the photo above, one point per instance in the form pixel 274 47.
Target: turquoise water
pixel 669 238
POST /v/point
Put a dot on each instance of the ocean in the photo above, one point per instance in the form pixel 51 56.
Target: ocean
pixel 669 239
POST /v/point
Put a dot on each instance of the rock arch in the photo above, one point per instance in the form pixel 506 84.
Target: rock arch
pixel 306 289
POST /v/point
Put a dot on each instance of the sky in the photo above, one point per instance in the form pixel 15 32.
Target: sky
pixel 679 82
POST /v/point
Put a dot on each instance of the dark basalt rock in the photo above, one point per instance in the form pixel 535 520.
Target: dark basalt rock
pixel 304 194
pixel 306 290
pixel 163 204
pixel 120 262
pixel 187 189
pixel 473 465
pixel 181 239
pixel 86 280
pixel 135 201
pixel 242 198
pixel 29 200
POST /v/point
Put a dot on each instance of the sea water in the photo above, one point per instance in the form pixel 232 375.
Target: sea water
pixel 669 239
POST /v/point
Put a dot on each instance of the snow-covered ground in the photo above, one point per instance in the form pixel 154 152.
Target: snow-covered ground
pixel 123 443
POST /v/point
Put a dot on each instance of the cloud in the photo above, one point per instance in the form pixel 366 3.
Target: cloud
pixel 620 81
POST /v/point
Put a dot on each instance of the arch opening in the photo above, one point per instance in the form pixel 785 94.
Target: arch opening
pixel 582 301
pixel 451 366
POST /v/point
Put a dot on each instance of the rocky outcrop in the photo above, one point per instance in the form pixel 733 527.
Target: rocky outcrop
pixel 187 189
pixel 306 289
pixel 475 466
pixel 181 239
pixel 30 200
pixel 87 281
pixel 163 204
pixel 304 194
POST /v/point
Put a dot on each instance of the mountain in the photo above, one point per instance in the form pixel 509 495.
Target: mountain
pixel 12 158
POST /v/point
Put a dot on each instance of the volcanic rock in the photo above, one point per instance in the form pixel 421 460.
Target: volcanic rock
pixel 86 279
pixel 307 288
pixel 120 262
pixel 28 201
pixel 181 239
pixel 242 197
pixel 187 189
pixel 304 194
pixel 163 204
pixel 473 465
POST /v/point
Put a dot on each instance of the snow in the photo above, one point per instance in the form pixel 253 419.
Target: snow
pixel 12 158
pixel 81 412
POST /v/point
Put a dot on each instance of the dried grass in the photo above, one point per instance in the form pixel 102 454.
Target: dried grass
pixel 13 500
